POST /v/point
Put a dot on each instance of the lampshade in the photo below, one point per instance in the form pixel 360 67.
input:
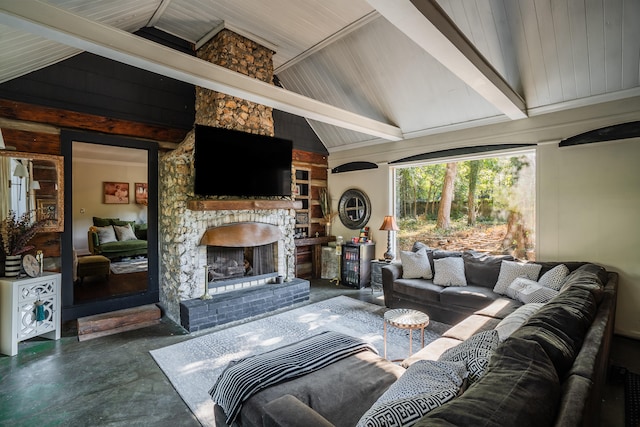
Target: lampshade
pixel 389 224
pixel 21 171
pixel 35 185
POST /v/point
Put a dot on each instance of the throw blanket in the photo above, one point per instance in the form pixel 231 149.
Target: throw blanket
pixel 243 378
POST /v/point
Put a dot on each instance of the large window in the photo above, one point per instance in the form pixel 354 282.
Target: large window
pixel 485 204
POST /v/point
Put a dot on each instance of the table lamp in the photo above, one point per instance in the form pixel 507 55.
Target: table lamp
pixel 389 224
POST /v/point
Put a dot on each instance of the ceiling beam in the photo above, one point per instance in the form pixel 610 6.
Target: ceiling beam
pixel 64 27
pixel 424 22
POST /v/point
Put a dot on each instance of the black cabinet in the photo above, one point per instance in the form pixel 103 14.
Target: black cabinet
pixel 356 264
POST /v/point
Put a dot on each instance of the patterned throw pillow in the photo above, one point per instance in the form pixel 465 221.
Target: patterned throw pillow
pixel 554 278
pixel 124 232
pixel 449 272
pixel 106 234
pixel 475 352
pixel 516 319
pixel 528 291
pixel 425 385
pixel 511 270
pixel 415 265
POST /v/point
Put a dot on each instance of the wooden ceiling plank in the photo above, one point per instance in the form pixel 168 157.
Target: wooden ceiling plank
pixel 56 24
pixel 424 22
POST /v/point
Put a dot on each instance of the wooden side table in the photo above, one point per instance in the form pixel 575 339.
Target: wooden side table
pixel 405 318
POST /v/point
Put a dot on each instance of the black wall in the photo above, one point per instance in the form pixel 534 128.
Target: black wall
pixel 87 83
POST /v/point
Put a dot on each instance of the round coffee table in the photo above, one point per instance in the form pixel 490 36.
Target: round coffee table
pixel 405 318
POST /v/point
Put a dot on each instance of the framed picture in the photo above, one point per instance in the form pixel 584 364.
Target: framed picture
pixel 142 193
pixel 46 209
pixel 116 192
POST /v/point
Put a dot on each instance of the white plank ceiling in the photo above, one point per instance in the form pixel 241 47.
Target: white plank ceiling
pixel 355 56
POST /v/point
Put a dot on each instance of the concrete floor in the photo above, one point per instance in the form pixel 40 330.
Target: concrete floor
pixel 114 381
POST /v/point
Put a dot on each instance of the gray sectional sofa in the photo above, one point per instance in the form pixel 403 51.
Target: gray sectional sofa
pixel 548 368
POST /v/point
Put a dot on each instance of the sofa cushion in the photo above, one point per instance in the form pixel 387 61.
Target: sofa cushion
pixel 124 233
pixel 418 289
pixel 500 308
pixel 431 351
pixel 425 385
pixel 475 352
pixel 528 291
pixel 474 297
pixel 520 388
pixel 103 222
pixel 560 326
pixel 470 326
pixel 513 321
pixel 106 234
pixel 554 278
pixel 482 269
pixel 415 265
pixel 598 270
pixel 510 270
pixel 449 272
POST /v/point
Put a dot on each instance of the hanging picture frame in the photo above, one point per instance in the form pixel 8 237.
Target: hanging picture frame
pixel 142 193
pixel 116 192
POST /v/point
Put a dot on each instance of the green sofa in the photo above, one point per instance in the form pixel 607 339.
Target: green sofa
pixel 118 248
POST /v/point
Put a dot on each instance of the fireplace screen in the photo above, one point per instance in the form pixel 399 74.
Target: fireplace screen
pixel 229 263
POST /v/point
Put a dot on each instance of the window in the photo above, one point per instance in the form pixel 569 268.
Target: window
pixel 485 204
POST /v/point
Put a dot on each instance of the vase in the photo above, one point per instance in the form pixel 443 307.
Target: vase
pixel 12 264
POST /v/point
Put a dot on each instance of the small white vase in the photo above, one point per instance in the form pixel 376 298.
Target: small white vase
pixel 12 264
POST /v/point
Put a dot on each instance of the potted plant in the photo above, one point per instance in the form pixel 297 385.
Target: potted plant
pixel 15 234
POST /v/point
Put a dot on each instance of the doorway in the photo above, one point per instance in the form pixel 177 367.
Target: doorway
pixel 109 249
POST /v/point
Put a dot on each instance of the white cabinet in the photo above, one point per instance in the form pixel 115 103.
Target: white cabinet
pixel 18 320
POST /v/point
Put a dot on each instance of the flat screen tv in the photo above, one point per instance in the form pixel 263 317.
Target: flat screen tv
pixel 233 163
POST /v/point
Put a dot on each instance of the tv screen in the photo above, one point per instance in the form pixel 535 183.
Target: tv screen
pixel 233 163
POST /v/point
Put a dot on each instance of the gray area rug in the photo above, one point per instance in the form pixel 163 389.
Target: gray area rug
pixel 132 266
pixel 193 366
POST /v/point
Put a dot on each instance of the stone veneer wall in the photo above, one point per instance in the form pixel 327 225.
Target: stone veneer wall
pixel 182 260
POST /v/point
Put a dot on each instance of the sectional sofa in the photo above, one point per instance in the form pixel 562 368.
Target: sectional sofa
pixel 525 364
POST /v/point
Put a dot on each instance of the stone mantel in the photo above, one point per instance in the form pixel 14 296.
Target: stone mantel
pixel 241 204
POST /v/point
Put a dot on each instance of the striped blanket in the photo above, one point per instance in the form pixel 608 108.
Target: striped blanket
pixel 243 378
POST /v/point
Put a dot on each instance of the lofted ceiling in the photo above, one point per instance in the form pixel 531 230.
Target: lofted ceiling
pixel 362 72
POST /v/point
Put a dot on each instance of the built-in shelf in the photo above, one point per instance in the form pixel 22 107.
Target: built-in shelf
pixel 235 204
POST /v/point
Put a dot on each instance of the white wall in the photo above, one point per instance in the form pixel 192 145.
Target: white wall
pixel 588 210
pixel 88 177
pixel 588 195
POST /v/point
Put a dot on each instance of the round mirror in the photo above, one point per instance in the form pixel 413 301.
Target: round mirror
pixel 354 209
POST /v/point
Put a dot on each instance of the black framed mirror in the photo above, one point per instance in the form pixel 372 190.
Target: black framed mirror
pixel 354 209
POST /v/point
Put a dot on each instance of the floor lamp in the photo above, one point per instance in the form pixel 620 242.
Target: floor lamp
pixel 389 225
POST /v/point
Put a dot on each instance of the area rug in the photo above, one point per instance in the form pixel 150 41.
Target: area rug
pixel 132 266
pixel 193 366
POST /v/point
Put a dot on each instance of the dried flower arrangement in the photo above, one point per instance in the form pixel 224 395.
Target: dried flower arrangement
pixel 16 232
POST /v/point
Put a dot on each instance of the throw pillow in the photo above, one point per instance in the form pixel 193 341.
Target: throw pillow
pixel 415 265
pixel 449 272
pixel 475 352
pixel 554 278
pixel 510 270
pixel 106 234
pixel 516 319
pixel 425 385
pixel 528 291
pixel 124 232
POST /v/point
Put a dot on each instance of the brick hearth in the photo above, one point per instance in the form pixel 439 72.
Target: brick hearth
pixel 196 314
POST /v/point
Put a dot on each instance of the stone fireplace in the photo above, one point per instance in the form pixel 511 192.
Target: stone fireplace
pixel 190 228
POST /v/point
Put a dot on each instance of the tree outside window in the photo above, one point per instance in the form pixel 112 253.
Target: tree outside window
pixel 483 204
